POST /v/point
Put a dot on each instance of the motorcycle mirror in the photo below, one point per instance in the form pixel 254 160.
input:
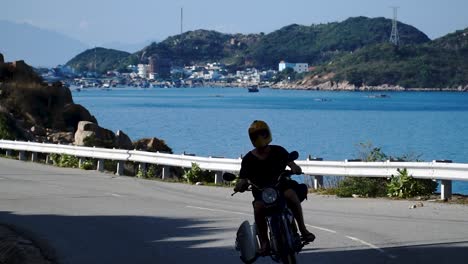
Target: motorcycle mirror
pixel 229 176
pixel 293 156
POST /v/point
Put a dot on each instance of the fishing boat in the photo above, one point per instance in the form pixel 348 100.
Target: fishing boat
pixel 253 89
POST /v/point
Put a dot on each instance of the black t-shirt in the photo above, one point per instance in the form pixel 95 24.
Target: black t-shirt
pixel 264 172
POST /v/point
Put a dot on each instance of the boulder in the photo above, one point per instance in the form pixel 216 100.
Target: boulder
pixel 122 141
pixel 152 145
pixel 90 134
pixel 74 113
pixel 60 138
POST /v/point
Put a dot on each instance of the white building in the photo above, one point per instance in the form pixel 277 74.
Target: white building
pixel 297 67
pixel 143 70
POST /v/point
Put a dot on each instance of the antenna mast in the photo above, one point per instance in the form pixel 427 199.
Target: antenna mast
pixel 181 20
pixel 394 38
pixel 95 50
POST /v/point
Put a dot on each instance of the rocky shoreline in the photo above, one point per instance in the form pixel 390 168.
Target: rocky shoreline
pixel 337 86
pixel 346 86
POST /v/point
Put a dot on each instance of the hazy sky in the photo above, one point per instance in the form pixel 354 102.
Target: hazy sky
pixel 95 22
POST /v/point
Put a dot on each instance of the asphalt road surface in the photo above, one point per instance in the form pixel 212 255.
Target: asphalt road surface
pixel 82 216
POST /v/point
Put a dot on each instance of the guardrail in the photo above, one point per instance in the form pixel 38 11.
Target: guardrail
pixel 443 171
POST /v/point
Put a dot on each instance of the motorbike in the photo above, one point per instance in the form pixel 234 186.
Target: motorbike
pixel 285 241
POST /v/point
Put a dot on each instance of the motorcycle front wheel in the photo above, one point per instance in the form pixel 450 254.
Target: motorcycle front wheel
pixel 285 254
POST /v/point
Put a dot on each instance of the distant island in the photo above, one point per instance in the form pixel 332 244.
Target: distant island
pixel 351 55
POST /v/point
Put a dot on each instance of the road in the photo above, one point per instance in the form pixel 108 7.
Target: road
pixel 82 216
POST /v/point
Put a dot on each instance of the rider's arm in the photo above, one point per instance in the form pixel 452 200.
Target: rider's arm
pixel 294 167
pixel 243 182
pixel 241 185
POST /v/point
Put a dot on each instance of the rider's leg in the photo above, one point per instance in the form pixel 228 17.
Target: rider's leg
pixel 295 205
pixel 259 213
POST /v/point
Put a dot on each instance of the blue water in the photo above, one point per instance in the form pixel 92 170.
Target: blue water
pixel 214 121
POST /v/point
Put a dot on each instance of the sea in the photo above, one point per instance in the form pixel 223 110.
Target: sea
pixel 331 125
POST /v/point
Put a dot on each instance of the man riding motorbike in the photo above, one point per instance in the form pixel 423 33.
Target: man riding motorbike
pixel 262 166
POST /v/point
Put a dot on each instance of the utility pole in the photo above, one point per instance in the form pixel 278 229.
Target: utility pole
pixel 394 38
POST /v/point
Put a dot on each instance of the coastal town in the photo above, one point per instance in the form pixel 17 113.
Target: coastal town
pixel 161 75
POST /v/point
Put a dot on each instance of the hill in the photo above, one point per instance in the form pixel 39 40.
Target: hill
pixel 317 44
pixel 38 46
pixel 313 44
pixel 100 60
pixel 437 64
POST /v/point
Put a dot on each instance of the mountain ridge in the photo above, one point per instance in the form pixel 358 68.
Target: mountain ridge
pixel 40 47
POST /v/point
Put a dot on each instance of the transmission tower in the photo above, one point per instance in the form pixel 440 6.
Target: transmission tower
pixel 394 38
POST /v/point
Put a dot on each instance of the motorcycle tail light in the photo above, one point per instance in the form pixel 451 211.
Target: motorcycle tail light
pixel 269 195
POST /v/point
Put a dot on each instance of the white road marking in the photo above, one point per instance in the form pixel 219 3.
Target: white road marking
pixel 217 210
pixel 323 229
pixel 366 243
pixel 115 195
pixel 316 227
pixel 371 246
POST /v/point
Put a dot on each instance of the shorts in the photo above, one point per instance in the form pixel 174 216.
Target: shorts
pixel 300 189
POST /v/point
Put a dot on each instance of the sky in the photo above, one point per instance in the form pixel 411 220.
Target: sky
pixel 95 22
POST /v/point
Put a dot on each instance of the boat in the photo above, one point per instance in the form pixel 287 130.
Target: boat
pixel 322 100
pixel 379 96
pixel 253 89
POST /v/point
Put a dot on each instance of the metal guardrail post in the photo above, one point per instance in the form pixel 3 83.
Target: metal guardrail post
pixel 318 179
pixel 120 168
pixel 48 160
pixel 445 185
pixel 100 165
pixel 8 152
pixel 166 174
pixel 34 157
pixel 219 177
pixel 445 190
pixel 22 155
pixel 142 168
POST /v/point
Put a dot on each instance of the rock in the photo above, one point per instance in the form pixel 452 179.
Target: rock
pixel 90 134
pixel 122 141
pixel 38 131
pixel 11 128
pixel 64 138
pixel 355 195
pixel 152 145
pixel 74 113
pixel 37 104
pixel 199 183
pixel 418 204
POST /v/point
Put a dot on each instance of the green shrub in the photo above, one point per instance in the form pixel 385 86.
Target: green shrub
pixel 64 160
pixel 366 187
pixel 405 186
pixel 196 174
pixel 152 171
pixel 6 127
pixel 87 165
